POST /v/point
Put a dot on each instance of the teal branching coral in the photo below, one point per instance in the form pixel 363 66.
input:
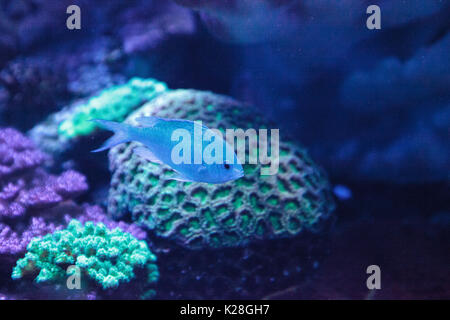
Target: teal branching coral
pixel 114 103
pixel 109 257
pixel 198 215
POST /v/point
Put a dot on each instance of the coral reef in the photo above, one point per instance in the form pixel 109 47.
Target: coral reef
pixel 89 65
pixel 39 191
pixel 61 130
pixel 34 202
pixel 24 186
pixel 371 106
pixel 108 257
pixel 139 34
pixel 85 61
pixel 13 242
pixel 200 215
pixel 18 153
pixel 26 190
pixel 97 215
pixel 27 21
pixel 33 89
pixel 16 234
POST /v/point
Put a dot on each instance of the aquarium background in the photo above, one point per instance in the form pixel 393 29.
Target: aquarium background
pixel 365 115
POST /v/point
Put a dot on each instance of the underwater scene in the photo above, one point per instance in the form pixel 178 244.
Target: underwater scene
pixel 224 149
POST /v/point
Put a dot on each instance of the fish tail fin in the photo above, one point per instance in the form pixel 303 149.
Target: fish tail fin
pixel 121 133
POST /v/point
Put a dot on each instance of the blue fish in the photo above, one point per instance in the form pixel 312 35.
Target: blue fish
pixel 156 135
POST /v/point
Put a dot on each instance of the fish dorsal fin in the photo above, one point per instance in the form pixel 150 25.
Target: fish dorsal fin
pixel 146 154
pixel 149 121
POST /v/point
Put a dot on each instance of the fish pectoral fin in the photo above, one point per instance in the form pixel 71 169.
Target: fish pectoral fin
pixel 146 154
pixel 178 177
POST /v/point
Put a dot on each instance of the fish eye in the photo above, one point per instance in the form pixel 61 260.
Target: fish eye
pixel 227 166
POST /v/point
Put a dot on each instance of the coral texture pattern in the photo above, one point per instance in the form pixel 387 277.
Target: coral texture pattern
pixel 200 215
pixel 108 257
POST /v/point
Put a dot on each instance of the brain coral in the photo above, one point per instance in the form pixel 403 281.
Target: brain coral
pixel 198 215
pixel 109 257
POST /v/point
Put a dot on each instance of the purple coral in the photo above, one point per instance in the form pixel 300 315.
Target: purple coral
pixel 33 202
pixel 26 190
pixel 24 186
pixel 39 190
pixel 12 242
pixel 17 153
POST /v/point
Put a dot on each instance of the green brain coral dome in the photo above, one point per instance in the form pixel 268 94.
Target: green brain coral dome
pixel 198 215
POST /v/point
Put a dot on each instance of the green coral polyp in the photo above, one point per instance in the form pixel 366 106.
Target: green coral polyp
pixel 222 193
pixel 113 104
pixel 109 257
pixel 245 220
pixel 201 194
pixel 167 198
pixel 292 205
pixel 238 200
pixel 189 207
